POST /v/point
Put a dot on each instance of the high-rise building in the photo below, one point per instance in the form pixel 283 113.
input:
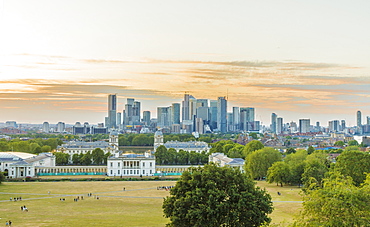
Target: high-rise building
pixel 112 111
pixel 368 120
pixel 61 127
pixel 304 125
pixel 334 126
pixel 203 112
pixel 199 125
pixel 359 119
pixel 192 107
pixel 185 107
pixel 343 125
pixel 146 117
pixel 213 114
pixel 163 118
pixel 131 113
pixel 46 127
pixel 279 125
pixel 175 113
pixel 119 118
pixel 230 122
pixel 246 118
pixel 202 103
pixel 236 118
pixel 221 114
pixel 273 122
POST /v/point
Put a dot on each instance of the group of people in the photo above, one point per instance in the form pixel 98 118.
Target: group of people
pixel 16 199
pixel 78 198
pixel 24 208
pixel 8 223
pixel 165 188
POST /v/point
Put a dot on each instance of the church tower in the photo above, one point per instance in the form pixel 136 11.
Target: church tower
pixel 113 141
pixel 158 139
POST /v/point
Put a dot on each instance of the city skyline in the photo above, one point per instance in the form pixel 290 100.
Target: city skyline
pixel 298 60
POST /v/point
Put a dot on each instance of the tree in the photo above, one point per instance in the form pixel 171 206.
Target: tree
pixel 259 161
pixel 2 177
pixel 310 150
pixel 216 196
pixel 76 159
pixel 194 158
pixel 252 146
pixel 339 143
pixel 354 164
pixel 86 159
pixel 352 148
pixel 279 173
pixel 290 150
pixel 97 156
pixel 106 156
pixel 316 166
pixel 296 163
pixel 61 158
pixel 337 203
pixel 353 143
pixel 183 157
pixel 160 155
pixel 35 148
pixel 45 148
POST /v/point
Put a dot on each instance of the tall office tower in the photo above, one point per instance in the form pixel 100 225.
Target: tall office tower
pixel 293 127
pixel 175 113
pixel 119 118
pixel 199 125
pixel 146 117
pixel 279 125
pixel 203 112
pixel 273 122
pixel 185 107
pixel 136 109
pixel 334 126
pixel 61 127
pixel 192 107
pixel 163 117
pixel 202 103
pixel 246 118
pixel 236 118
pixel 46 127
pixel 359 120
pixel 221 114
pixel 213 114
pixel 368 120
pixel 112 111
pixel 304 125
pixel 343 125
pixel 230 122
pixel 86 128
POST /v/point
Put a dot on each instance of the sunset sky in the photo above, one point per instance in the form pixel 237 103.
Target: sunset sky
pixel 59 60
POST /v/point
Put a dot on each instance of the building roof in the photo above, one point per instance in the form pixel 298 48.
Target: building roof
pixel 14 156
pixel 83 144
pixel 190 144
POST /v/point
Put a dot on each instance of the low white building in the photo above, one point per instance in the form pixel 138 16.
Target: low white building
pixel 222 160
pixel 18 164
pixel 197 146
pixel 131 165
pixel 82 147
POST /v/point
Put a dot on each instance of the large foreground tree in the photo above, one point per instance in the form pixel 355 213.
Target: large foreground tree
pixel 216 196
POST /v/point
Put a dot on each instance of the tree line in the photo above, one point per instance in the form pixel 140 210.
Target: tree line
pixel 34 146
pixel 96 157
pixel 164 156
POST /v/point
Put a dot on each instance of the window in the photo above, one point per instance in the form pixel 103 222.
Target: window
pixel 143 171
pixel 150 171
pixel 130 171
pixel 111 164
pixel 29 172
pixel 124 172
pixel 143 164
pixel 111 172
pixel 150 164
pixel 119 171
pixel 119 165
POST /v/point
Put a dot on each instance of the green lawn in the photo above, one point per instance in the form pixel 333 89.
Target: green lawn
pixel 139 205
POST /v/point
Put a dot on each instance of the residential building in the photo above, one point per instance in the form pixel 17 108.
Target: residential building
pixel 304 125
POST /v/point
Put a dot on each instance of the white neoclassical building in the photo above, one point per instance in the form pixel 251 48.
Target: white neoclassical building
pixel 19 164
pixel 222 160
pixel 82 147
pixel 197 146
pixel 131 165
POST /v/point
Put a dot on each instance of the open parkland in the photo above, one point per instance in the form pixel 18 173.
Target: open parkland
pixel 112 203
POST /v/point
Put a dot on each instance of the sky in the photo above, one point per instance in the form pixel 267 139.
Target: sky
pixel 59 60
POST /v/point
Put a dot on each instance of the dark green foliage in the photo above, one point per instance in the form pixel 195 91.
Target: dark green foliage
pixel 290 150
pixel 310 150
pixel 216 196
pixel 353 143
pixel 339 143
pixel 258 162
pixel 61 158
pixel 2 177
pixel 252 146
pixel 172 157
pixel 279 173
pixel 97 156
pixel 354 164
pixel 316 166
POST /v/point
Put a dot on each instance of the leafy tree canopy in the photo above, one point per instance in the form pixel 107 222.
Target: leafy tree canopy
pixel 216 196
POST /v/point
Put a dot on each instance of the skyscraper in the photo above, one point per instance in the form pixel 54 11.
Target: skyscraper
pixel 163 117
pixel 185 107
pixel 146 117
pixel 175 113
pixel 279 125
pixel 359 120
pixel 246 118
pixel 273 122
pixel 236 118
pixel 213 114
pixel 131 113
pixel 46 127
pixel 304 125
pixel 221 114
pixel 112 111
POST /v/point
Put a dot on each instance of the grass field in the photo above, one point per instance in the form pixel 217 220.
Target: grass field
pixel 139 205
